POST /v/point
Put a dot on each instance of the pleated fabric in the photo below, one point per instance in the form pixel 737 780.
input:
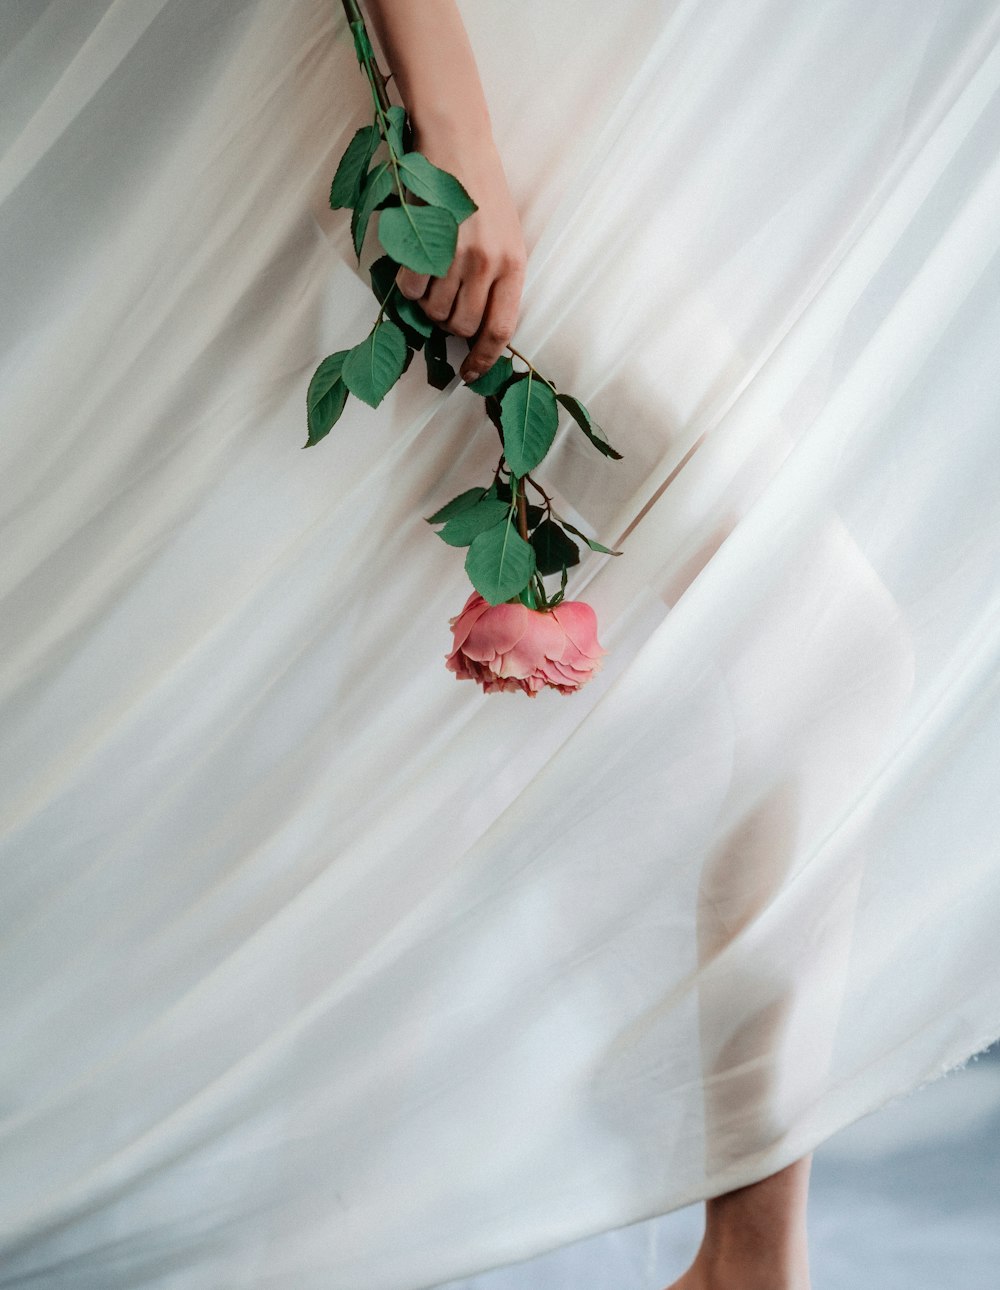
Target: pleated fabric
pixel 320 968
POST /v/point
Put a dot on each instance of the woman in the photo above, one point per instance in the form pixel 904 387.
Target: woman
pixel 755 1236
pixel 324 970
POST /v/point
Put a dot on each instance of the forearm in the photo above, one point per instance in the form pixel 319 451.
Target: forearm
pixel 426 48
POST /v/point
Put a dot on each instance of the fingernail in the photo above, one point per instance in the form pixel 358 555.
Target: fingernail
pixel 472 374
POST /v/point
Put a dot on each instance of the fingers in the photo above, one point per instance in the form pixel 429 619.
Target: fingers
pixel 413 285
pixel 478 297
pixel 467 312
pixel 498 323
pixel 439 298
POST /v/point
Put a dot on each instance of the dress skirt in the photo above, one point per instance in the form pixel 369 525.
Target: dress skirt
pixel 320 969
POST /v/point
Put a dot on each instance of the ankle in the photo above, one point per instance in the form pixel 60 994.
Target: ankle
pixel 736 1264
pixel 757 1235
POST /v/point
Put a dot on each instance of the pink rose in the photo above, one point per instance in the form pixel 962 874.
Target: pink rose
pixel 512 647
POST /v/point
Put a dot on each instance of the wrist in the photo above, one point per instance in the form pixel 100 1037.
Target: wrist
pixel 451 126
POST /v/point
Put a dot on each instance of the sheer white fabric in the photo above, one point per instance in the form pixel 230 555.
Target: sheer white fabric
pixel 322 969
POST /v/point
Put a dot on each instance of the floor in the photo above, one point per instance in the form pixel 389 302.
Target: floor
pixel 906 1199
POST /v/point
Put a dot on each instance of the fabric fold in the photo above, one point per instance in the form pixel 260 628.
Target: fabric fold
pixel 321 968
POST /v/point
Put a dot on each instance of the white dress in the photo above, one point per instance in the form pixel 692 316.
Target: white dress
pixel 321 969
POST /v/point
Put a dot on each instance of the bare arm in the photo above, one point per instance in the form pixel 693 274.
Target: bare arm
pixel 427 50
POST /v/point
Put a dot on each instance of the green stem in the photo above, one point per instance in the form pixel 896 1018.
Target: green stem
pixel 531 367
pixel 518 354
pixel 355 18
pixel 380 94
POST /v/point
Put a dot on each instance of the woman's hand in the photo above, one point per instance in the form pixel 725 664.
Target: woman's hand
pixel 432 63
pixel 480 295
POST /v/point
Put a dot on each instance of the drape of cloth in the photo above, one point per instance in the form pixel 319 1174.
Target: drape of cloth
pixel 320 968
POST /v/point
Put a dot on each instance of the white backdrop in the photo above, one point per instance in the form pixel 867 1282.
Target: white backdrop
pixel 320 968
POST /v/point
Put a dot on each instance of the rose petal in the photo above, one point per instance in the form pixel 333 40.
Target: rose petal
pixel 579 622
pixel 496 632
pixel 464 622
pixel 459 664
pixel 560 675
pixel 543 638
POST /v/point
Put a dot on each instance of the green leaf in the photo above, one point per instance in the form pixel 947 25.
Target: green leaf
pixel 440 372
pixel 588 425
pixel 492 405
pixel 377 187
pixel 491 381
pixel 553 548
pixel 325 416
pixel 396 117
pixel 594 545
pixel 403 310
pixel 421 237
pixel 457 505
pixel 409 312
pixel 414 339
pixel 372 368
pixel 325 397
pixel 530 420
pixel 500 563
pixel 435 186
pixel 383 275
pixel 346 187
pixel 462 528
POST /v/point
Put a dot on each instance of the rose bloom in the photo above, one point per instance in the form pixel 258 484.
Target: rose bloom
pixel 512 647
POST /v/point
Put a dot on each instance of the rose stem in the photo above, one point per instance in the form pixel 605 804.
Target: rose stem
pixel 522 510
pixel 355 16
